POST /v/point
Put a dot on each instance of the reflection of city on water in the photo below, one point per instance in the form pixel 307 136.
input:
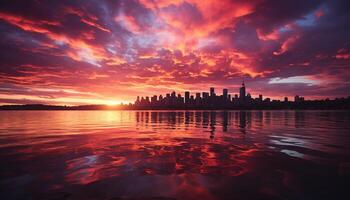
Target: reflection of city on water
pixel 185 119
pixel 218 121
pixel 223 121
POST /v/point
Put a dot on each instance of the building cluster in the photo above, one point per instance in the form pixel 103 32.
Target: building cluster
pixel 206 100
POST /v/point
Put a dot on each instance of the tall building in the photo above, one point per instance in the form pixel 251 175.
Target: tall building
pixel 154 99
pixel 242 92
pixel 225 93
pixel 248 97
pixel 180 99
pixel 198 95
pixel 187 97
pixel 212 92
pixel 205 95
pixel 260 97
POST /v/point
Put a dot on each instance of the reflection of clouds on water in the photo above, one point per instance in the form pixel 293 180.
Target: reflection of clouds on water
pixel 292 153
pixel 148 157
pixel 178 154
pixel 286 130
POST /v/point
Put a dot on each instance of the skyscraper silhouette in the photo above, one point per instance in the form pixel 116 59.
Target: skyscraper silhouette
pixel 212 92
pixel 187 97
pixel 225 94
pixel 242 92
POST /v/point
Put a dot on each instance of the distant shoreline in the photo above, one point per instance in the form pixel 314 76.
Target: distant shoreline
pixel 291 106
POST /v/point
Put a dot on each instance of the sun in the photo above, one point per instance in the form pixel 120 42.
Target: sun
pixel 112 102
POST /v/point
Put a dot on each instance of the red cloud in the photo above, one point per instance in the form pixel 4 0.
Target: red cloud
pixel 286 45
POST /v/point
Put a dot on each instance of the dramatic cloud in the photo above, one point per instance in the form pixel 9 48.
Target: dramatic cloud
pixel 88 52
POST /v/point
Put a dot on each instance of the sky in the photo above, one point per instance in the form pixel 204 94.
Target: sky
pixel 66 52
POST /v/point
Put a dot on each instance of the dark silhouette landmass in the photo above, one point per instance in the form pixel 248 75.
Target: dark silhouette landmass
pixel 55 107
pixel 203 101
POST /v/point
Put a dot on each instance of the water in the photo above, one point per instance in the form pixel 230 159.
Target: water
pixel 174 154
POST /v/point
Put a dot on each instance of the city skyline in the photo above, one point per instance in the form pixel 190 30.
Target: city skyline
pixel 82 53
pixel 241 97
pixel 236 95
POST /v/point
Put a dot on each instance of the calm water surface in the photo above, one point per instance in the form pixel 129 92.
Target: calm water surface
pixel 174 154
